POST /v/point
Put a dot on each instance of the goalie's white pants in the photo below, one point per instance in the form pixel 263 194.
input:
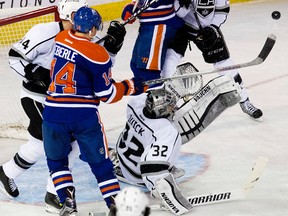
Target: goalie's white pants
pixel 233 74
pixel 172 60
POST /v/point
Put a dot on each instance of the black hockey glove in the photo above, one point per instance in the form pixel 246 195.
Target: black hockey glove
pixel 116 33
pixel 37 74
pixel 134 86
pixel 185 3
pixel 207 37
pixel 139 86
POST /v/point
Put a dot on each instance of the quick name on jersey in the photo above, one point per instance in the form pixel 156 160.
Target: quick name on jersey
pixel 135 125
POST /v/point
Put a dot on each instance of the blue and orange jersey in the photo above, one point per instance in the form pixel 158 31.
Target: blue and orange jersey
pixel 161 12
pixel 80 78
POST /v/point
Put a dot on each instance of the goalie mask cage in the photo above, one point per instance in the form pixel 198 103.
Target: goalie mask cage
pixel 14 23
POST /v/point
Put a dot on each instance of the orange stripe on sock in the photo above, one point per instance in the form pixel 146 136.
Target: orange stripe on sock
pixel 110 188
pixel 68 178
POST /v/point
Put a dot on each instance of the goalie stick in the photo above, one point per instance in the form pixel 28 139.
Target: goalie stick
pixel 220 197
pixel 133 16
pixel 229 195
pixel 269 43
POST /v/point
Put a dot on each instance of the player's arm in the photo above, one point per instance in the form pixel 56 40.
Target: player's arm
pixel 211 34
pixel 182 7
pixel 23 53
pixel 222 9
pixel 28 71
pixel 110 91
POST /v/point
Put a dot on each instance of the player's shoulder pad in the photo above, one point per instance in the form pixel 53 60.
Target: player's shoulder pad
pixel 89 50
pixel 44 31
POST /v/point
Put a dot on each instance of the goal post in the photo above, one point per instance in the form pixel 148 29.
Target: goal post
pixel 14 24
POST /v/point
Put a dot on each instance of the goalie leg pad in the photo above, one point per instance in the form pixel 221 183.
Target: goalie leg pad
pixel 171 196
pixel 197 113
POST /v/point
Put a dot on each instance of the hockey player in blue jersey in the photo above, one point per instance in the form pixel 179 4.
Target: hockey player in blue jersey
pixel 30 58
pixel 158 26
pixel 80 78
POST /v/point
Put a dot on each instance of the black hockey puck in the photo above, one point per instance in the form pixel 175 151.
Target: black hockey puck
pixel 276 15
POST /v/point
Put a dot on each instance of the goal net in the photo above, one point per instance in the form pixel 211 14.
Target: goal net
pixel 14 23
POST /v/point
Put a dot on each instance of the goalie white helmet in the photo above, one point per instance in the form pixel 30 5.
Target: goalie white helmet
pixel 131 201
pixel 67 7
pixel 160 103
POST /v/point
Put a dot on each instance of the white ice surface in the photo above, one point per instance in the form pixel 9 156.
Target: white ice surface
pixel 233 142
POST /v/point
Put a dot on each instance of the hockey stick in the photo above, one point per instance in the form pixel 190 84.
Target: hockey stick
pixel 228 195
pixel 269 43
pixel 133 16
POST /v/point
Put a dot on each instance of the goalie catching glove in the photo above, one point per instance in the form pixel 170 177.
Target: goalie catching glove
pixel 116 33
pixel 208 37
pixel 38 75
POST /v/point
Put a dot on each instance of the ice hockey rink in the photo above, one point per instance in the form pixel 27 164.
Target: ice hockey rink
pixel 221 157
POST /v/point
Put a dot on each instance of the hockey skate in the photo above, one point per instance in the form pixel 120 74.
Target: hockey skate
pixel 69 207
pixel 9 185
pixel 112 210
pixel 251 110
pixel 53 204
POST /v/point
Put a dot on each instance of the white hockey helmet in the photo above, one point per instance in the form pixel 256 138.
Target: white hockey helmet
pixel 160 103
pixel 67 7
pixel 131 201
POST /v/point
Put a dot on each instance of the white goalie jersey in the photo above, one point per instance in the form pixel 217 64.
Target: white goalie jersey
pixel 146 148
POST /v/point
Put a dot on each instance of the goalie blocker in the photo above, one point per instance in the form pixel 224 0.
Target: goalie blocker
pixel 196 114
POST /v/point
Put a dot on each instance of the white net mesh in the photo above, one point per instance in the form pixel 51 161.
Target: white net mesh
pixel 13 121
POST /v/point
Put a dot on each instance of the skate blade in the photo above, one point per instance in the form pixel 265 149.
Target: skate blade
pixel 260 119
pixel 52 210
pixel 2 188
